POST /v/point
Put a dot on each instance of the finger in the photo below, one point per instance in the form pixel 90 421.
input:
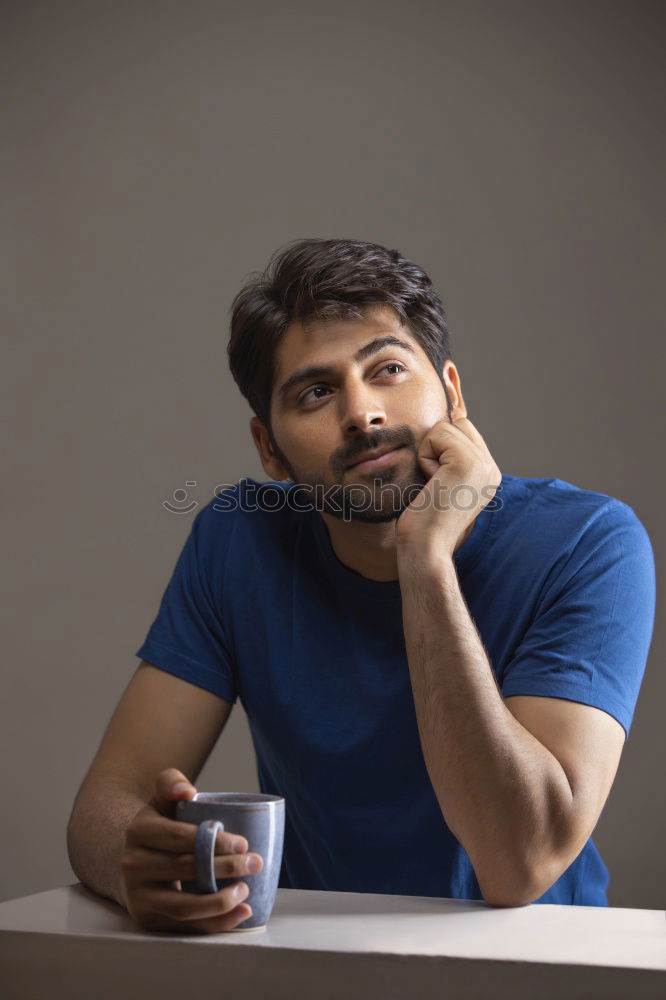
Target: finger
pixel 150 829
pixel 192 905
pixel 469 430
pixel 213 925
pixel 145 864
pixel 171 785
pixel 442 438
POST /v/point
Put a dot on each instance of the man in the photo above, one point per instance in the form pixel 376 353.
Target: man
pixel 439 662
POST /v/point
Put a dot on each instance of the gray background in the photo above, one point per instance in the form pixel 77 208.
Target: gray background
pixel 155 154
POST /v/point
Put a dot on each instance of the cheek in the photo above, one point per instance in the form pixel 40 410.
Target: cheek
pixel 309 448
pixel 428 408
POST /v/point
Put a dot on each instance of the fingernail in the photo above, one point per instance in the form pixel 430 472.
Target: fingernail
pixel 180 788
pixel 238 846
pixel 241 891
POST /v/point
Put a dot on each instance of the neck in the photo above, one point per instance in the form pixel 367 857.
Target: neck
pixel 368 549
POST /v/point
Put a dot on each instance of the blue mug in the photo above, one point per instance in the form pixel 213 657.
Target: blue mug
pixel 257 817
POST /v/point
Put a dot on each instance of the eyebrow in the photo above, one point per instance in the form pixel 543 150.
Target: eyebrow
pixel 323 371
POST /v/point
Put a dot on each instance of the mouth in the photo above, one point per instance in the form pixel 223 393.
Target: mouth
pixel 377 458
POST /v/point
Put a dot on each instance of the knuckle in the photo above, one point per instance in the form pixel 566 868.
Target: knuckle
pixel 230 867
pixel 183 838
pixel 136 829
pixel 128 862
pixel 131 832
pixel 226 864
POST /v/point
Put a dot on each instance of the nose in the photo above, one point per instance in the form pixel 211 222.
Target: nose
pixel 362 411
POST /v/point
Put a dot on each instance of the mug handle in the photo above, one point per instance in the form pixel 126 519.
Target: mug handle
pixel 204 854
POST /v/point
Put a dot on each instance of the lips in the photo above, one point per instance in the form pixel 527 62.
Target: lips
pixel 376 453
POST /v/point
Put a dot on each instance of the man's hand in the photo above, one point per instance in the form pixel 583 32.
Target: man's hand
pixel 159 853
pixel 464 479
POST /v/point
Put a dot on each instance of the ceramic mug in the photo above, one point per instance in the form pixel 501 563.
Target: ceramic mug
pixel 257 817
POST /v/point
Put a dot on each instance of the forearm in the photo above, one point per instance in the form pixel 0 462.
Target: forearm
pixel 503 795
pixel 102 812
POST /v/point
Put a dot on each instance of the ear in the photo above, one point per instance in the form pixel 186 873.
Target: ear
pixel 273 468
pixel 452 379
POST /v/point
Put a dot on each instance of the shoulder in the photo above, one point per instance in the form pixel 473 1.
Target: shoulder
pixel 563 512
pixel 246 508
pixel 247 496
pixel 245 526
pixel 561 530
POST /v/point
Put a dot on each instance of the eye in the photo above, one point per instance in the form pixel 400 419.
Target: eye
pixel 391 364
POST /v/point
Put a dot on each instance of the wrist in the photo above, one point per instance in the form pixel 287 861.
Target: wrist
pixel 428 557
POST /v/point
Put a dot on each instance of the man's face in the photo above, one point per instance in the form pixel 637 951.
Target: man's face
pixel 373 396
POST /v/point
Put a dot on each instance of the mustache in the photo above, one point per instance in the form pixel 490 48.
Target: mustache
pixel 383 442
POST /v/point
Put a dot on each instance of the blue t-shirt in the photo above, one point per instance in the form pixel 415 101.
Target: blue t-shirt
pixel 560 582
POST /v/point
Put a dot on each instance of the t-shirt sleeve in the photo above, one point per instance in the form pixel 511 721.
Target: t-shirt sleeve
pixel 188 638
pixel 592 629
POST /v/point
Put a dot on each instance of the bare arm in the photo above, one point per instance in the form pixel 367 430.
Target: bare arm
pixel 502 793
pixel 160 722
pixel 96 834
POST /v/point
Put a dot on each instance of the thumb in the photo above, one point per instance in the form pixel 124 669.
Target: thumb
pixel 171 786
pixel 429 465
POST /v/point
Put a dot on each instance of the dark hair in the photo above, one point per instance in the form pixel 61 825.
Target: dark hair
pixel 315 280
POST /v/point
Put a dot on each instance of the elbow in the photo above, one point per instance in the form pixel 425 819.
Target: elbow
pixel 508 895
pixel 507 899
pixel 515 893
pixel 516 887
pixel 523 890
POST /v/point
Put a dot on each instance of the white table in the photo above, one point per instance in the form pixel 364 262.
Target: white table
pixel 70 943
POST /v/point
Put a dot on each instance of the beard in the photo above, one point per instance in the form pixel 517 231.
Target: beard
pixel 376 499
pixel 371 498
